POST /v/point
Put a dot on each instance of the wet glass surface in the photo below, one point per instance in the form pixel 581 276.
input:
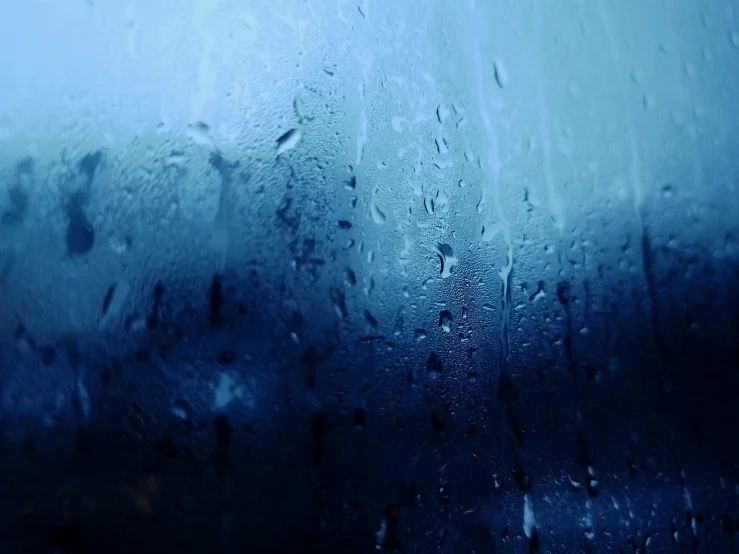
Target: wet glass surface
pixel 419 276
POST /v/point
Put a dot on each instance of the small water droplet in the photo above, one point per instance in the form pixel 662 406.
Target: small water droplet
pixel 489 231
pixel 420 334
pixel 182 409
pixel 175 159
pixel 350 278
pixel 734 38
pixel 648 102
pixel 501 74
pixel 369 285
pixel 442 147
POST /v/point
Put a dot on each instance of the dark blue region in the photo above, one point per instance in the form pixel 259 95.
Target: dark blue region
pixel 344 445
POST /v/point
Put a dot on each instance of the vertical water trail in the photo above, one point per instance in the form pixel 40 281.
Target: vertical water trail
pixel 635 172
pixel 505 388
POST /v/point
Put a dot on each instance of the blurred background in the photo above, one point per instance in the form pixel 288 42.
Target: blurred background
pixel 305 276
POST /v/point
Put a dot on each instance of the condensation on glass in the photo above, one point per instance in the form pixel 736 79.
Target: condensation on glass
pixel 356 276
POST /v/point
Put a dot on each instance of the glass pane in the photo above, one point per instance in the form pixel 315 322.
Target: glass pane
pixel 417 276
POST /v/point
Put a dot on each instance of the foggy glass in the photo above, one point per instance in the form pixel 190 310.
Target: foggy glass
pixel 337 276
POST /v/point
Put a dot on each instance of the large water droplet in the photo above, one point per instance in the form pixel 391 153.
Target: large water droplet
pixel 433 365
pixel 445 321
pixel 377 215
pixel 448 261
pixel 288 141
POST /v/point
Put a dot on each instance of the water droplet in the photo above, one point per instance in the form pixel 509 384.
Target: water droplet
pixel 370 319
pixel 442 147
pixel 433 365
pixel 339 302
pixel 428 203
pixel 351 183
pixel 199 133
pixel 350 278
pixel 182 409
pixel 489 231
pixel 445 321
pixel 80 233
pixel 369 285
pixel 539 294
pixel 734 38
pixel 377 215
pixel 175 159
pixel 501 74
pixel 420 334
pixel 448 261
pixel 442 112
pixel 648 102
pixel 288 141
pixel 443 164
